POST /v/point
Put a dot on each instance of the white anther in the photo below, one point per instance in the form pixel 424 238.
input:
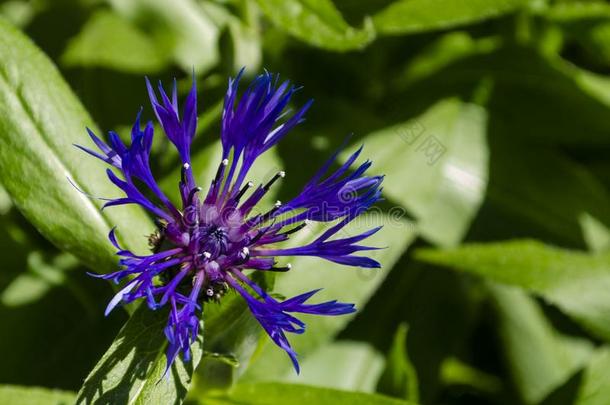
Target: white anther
pixel 250 184
pixel 282 174
pixel 207 255
pixel 245 251
pixel 278 203
pixel 209 292
pixel 225 162
pixel 186 166
pixel 289 266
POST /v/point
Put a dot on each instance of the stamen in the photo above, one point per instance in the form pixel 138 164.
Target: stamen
pixel 220 170
pixel 260 192
pixel 209 292
pixel 261 232
pixel 296 228
pixel 257 236
pixel 243 191
pixel 185 167
pixel 207 255
pixel 193 192
pixel 268 214
pixel 244 255
pixel 275 178
pixel 282 269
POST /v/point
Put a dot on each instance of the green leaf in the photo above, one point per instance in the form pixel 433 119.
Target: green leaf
pixel 231 329
pixel 399 378
pixel 595 233
pixel 436 167
pixel 343 365
pixel 215 374
pixel 596 40
pixel 594 388
pixel 456 372
pixel 110 41
pixel 18 13
pixel 180 28
pixel 41 120
pixel 317 22
pixel 5 202
pixel 537 96
pixel 309 273
pixel 539 358
pixel 413 16
pixel 19 395
pixel 556 91
pixel 247 49
pixel 131 371
pixel 445 51
pixel 39 279
pixel 47 312
pixel 575 282
pixel 420 295
pixel 590 386
pixel 245 37
pixel 574 92
pixel 592 84
pixel 569 11
pixel 531 194
pixel 278 394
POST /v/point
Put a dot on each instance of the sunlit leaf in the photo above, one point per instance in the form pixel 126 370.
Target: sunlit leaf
pixel 420 295
pixel 39 279
pixel 575 282
pixel 538 357
pixel 180 28
pixel 244 31
pixel 277 394
pixel 566 11
pixel 456 372
pixel 595 389
pixel 413 16
pixel 132 370
pixel 436 167
pixel 20 395
pixel 595 233
pixel 318 23
pixel 343 365
pixel 108 40
pixel 41 120
pixel 399 378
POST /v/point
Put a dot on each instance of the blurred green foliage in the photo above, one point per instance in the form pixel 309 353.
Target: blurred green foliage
pixel 489 118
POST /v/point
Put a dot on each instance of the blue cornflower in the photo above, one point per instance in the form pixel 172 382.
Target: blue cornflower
pixel 201 250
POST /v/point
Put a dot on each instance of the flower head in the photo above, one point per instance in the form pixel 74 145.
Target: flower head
pixel 203 246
